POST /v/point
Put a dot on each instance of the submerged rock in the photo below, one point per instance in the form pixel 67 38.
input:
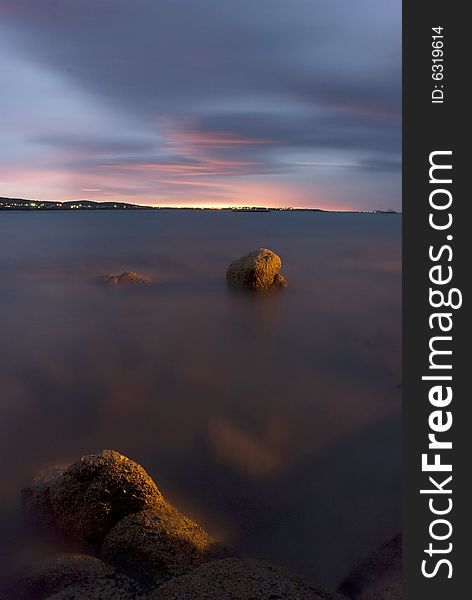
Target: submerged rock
pixel 36 502
pixel 50 575
pixel 118 587
pixel 92 495
pixel 258 270
pixel 156 545
pixel 238 579
pixel 379 577
pixel 128 278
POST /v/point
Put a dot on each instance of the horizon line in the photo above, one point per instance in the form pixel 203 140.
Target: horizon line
pixel 203 206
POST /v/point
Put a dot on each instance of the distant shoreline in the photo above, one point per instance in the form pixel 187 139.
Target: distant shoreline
pixel 20 204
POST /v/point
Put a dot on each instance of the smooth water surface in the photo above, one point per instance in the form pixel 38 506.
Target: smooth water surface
pixel 273 419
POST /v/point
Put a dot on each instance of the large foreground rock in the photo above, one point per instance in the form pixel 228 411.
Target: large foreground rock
pixel 156 545
pixel 236 579
pixel 258 270
pixel 150 551
pixel 92 495
pixel 379 577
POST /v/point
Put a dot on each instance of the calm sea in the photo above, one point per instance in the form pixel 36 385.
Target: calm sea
pixel 272 419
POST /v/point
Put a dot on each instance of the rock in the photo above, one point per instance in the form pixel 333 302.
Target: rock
pixel 156 545
pixel 237 579
pixel 118 587
pixel 258 270
pixel 379 577
pixel 36 502
pixel 279 281
pixel 92 495
pixel 47 576
pixel 128 278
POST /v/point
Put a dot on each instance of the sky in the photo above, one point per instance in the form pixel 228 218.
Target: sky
pixel 202 102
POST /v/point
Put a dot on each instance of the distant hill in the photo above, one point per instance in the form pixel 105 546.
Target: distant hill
pixel 22 204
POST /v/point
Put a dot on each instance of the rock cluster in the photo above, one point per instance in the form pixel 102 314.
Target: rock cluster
pixel 131 544
pixel 258 270
pixel 108 506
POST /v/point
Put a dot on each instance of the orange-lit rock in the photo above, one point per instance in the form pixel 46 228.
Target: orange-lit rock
pixel 93 494
pixel 156 545
pixel 258 270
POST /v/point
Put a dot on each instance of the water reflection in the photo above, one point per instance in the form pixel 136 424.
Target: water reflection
pixel 273 419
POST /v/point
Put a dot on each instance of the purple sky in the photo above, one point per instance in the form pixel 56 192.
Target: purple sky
pixel 202 102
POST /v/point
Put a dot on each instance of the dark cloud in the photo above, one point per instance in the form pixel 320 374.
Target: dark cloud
pixel 272 78
pixel 93 144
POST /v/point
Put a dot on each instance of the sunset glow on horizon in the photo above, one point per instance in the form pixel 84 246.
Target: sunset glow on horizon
pixel 202 107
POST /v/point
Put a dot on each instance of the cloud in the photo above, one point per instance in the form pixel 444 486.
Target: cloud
pixel 183 90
